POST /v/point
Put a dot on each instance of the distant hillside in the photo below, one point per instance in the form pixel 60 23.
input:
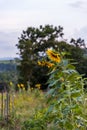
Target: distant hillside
pixel 7 65
pixel 8 70
pixel 6 58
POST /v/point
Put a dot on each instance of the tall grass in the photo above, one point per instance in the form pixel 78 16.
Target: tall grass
pixel 23 105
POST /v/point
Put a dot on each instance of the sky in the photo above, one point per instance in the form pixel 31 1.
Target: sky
pixel 18 15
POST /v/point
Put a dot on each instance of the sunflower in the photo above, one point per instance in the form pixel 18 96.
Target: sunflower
pixel 11 83
pixel 41 63
pixel 44 63
pixel 53 56
pixel 38 86
pixel 49 65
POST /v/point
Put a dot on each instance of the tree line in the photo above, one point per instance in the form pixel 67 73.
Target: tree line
pixel 8 71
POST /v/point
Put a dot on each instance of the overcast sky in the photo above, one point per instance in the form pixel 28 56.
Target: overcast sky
pixel 17 15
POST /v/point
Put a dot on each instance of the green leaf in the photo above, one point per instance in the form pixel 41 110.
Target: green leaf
pixel 75 93
pixel 70 66
pixel 53 72
pixel 50 109
pixel 69 71
pixel 53 83
pixel 65 62
pixel 69 125
pixel 51 91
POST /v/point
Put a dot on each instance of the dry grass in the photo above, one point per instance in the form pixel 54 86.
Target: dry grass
pixel 23 104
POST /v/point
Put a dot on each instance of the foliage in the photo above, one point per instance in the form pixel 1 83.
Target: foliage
pixel 36 122
pixel 76 54
pixel 78 43
pixel 8 71
pixel 32 46
pixel 66 96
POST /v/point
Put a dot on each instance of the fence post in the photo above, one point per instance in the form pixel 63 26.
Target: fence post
pixel 2 104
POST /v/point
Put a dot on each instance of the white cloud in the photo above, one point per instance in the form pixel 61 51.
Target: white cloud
pixel 76 4
pixel 79 4
pixel 81 33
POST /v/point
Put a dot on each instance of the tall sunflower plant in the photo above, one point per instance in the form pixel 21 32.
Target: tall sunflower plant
pixel 66 96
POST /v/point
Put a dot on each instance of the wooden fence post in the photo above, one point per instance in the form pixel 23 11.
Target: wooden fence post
pixel 2 104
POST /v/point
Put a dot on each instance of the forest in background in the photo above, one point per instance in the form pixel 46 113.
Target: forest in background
pixel 8 70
